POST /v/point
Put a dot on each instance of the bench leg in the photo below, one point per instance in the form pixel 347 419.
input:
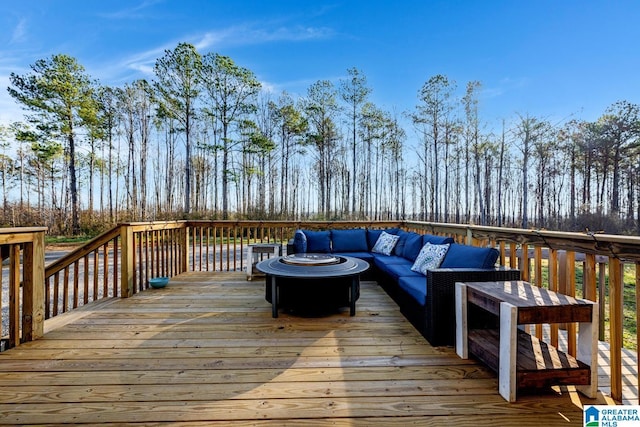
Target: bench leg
pixel 508 351
pixel 462 343
pixel 588 352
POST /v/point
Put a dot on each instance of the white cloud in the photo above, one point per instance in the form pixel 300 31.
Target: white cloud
pixel 19 34
pixel 249 34
pixel 141 64
pixel 132 12
pixel 505 86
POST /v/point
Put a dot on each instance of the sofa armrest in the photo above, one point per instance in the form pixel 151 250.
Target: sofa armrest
pixel 440 319
pixel 291 248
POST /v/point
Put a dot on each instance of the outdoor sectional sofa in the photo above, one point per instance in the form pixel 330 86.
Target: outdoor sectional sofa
pixel 426 300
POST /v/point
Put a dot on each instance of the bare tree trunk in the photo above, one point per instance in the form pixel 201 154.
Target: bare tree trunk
pixel 500 178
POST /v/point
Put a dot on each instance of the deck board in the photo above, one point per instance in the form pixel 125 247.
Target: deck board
pixel 206 351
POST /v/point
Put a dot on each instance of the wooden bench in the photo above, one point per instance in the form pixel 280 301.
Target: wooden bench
pixel 487 319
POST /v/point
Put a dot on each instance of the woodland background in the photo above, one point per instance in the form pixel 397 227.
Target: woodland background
pixel 203 139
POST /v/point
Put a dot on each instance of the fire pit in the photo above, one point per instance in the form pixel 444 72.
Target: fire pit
pixel 308 281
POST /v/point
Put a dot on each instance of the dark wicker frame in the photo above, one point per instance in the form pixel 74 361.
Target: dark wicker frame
pixel 436 318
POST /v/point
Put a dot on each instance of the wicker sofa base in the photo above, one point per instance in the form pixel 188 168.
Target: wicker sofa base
pixel 435 319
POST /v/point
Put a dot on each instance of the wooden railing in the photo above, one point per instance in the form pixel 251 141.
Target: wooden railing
pixel 120 262
pixel 555 260
pixel 21 313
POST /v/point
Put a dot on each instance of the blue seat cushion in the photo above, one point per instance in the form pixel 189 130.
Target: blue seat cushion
pixel 354 240
pixel 436 240
pixel 374 234
pixel 387 259
pixel 416 286
pixel 318 241
pixel 465 256
pixel 398 269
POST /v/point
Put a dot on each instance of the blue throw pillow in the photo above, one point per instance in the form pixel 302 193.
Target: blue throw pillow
pixel 374 234
pixel 318 241
pixel 300 242
pixel 354 240
pixel 412 246
pixel 465 256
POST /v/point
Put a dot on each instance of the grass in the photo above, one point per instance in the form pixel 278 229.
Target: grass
pixel 62 240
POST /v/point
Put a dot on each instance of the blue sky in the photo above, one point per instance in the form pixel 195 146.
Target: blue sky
pixel 553 59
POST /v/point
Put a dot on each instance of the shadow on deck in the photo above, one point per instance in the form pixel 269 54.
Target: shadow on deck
pixel 206 351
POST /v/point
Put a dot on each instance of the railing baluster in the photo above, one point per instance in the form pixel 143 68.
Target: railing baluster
pixel 65 291
pixel 95 275
pixel 85 293
pixel 524 266
pixel 537 259
pixel 76 283
pixel 56 293
pixel 14 295
pixel 235 248
pixel 602 295
pixel 227 245
pixel 47 298
pixel 105 270
pixel 637 266
pixel 208 243
pixel 147 256
pixel 571 290
pixel 616 325
pixel 553 285
pixel 590 290
pixel 173 248
pixel 215 247
pixel 221 247
pixel 513 256
pixel 116 277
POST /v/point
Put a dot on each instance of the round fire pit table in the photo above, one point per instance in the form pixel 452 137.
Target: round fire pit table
pixel 306 280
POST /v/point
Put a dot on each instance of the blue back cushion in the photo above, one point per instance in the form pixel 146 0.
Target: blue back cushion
pixel 300 242
pixel 412 246
pixel 465 256
pixel 318 241
pixel 436 240
pixel 354 240
pixel 402 241
pixel 373 235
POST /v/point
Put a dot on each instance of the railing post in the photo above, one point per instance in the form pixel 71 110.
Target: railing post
pixel 616 325
pixel 637 317
pixel 184 249
pixel 127 253
pixel 33 288
pixel 602 295
pixel 525 265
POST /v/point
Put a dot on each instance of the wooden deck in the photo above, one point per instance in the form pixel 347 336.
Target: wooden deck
pixel 205 351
